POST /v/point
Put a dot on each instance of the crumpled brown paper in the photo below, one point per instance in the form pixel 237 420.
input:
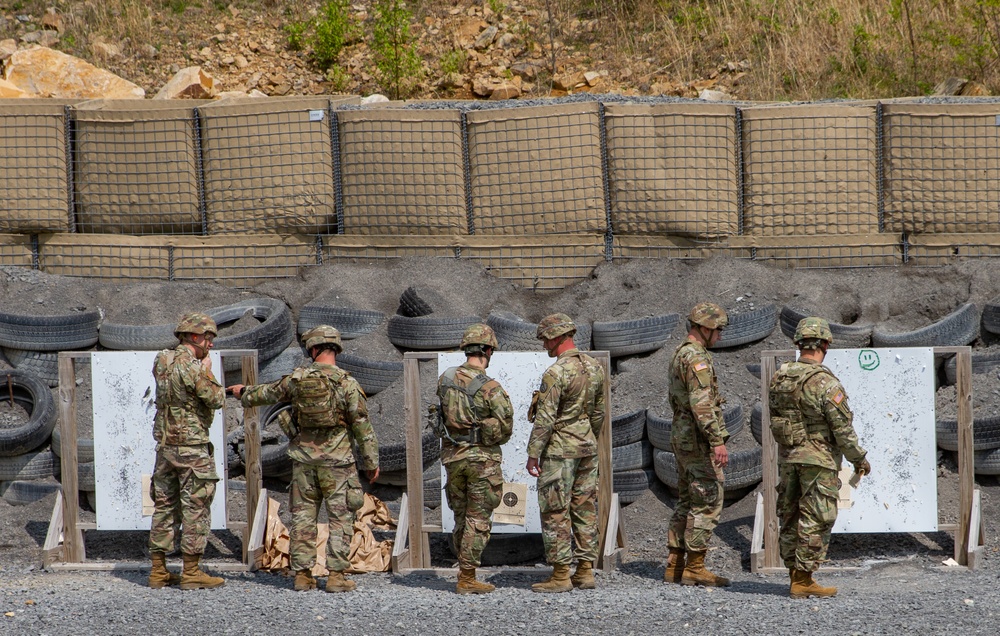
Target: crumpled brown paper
pixel 366 554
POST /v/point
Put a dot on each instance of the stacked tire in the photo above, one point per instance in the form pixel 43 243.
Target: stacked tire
pixel 24 460
pixel 631 456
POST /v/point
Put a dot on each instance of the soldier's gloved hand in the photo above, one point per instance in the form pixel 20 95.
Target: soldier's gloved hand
pixel 862 467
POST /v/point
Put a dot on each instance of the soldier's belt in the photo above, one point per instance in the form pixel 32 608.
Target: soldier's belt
pixel 475 436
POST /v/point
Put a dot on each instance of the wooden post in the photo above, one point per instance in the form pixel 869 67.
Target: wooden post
pixel 966 478
pixel 251 437
pixel 414 460
pixel 72 540
pixel 772 556
pixel 605 483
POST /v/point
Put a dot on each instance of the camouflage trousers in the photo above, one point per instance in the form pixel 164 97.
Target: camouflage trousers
pixel 567 504
pixel 312 485
pixel 807 510
pixel 182 489
pixel 473 490
pixel 699 501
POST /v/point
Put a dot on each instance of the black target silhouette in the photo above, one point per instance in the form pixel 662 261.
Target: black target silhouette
pixel 510 499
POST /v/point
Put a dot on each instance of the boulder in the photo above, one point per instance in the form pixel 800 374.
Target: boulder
pixel 7 48
pixel 486 38
pixel 505 91
pixel 9 90
pixel 42 72
pixel 188 83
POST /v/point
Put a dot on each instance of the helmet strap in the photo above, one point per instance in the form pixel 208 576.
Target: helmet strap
pixel 203 348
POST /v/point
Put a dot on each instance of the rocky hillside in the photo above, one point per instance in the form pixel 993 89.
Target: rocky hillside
pixel 478 49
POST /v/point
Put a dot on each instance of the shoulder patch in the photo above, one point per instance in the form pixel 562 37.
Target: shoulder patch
pixel 701 366
pixel 838 398
pixel 545 387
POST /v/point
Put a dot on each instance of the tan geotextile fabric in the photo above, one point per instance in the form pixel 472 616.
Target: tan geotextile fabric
pixel 863 250
pixel 810 170
pixel 942 249
pixel 366 554
pixel 268 166
pixel 241 261
pixel 942 167
pixel 537 170
pixel 402 172
pixel 537 262
pixel 105 256
pixel 373 248
pixel 34 191
pixel 15 250
pixel 629 247
pixel 672 169
pixel 137 167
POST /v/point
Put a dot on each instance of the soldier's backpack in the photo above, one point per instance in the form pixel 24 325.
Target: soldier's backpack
pixel 438 424
pixel 315 399
pixel 787 424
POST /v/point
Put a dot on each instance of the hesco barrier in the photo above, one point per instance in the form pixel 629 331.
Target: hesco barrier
pixel 241 190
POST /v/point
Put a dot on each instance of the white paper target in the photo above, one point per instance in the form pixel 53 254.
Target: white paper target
pixel 891 393
pixel 519 373
pixel 124 404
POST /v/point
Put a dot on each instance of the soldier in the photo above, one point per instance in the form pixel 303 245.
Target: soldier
pixel 812 424
pixel 328 411
pixel 478 419
pixel 183 483
pixel 698 437
pixel 568 412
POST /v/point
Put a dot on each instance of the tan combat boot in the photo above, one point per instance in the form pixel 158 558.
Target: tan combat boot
pixel 304 581
pixel 192 578
pixel 695 572
pixel 803 586
pixel 558 582
pixel 159 575
pixel 675 566
pixel 467 583
pixel 337 583
pixel 583 578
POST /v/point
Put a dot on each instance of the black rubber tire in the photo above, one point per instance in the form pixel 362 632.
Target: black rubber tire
pixel 632 457
pixel 428 333
pixel 509 549
pixel 372 375
pixel 84 446
pixel 756 414
pixel 283 364
pixel 987 462
pixel 745 469
pixel 274 459
pixel 44 365
pixel 658 428
pixel 137 337
pixel 981 363
pixel 234 461
pixel 392 457
pixel 86 480
pixel 628 428
pixel 352 323
pixel 49 333
pixel 753 368
pixel 958 328
pixel 270 338
pixel 33 396
pixel 29 466
pixel 631 484
pixel 517 334
pixel 419 301
pixel 748 327
pixel 22 493
pixel 844 336
pixel 991 317
pixel 432 493
pixel 985 433
pixel 629 337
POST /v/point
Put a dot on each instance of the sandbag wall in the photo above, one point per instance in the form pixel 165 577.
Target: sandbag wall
pixel 241 190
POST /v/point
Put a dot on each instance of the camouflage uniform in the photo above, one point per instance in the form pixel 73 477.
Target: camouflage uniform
pixel 323 466
pixel 475 477
pixel 568 418
pixel 183 483
pixel 807 397
pixel 697 428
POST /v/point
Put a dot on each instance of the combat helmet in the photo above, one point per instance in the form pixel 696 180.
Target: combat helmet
pixel 709 315
pixel 322 334
pixel 554 326
pixel 810 331
pixel 196 322
pixel 479 334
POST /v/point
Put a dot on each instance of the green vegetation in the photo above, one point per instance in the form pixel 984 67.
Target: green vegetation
pixel 397 65
pixel 332 30
pixel 453 61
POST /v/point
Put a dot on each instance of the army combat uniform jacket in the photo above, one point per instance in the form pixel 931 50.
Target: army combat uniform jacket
pixel 324 445
pixel 493 415
pixel 570 408
pixel 187 396
pixel 694 398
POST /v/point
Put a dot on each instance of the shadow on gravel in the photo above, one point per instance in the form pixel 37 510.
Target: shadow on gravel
pixel 426 581
pixel 37 531
pixel 447 583
pixel 760 588
pixel 643 569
